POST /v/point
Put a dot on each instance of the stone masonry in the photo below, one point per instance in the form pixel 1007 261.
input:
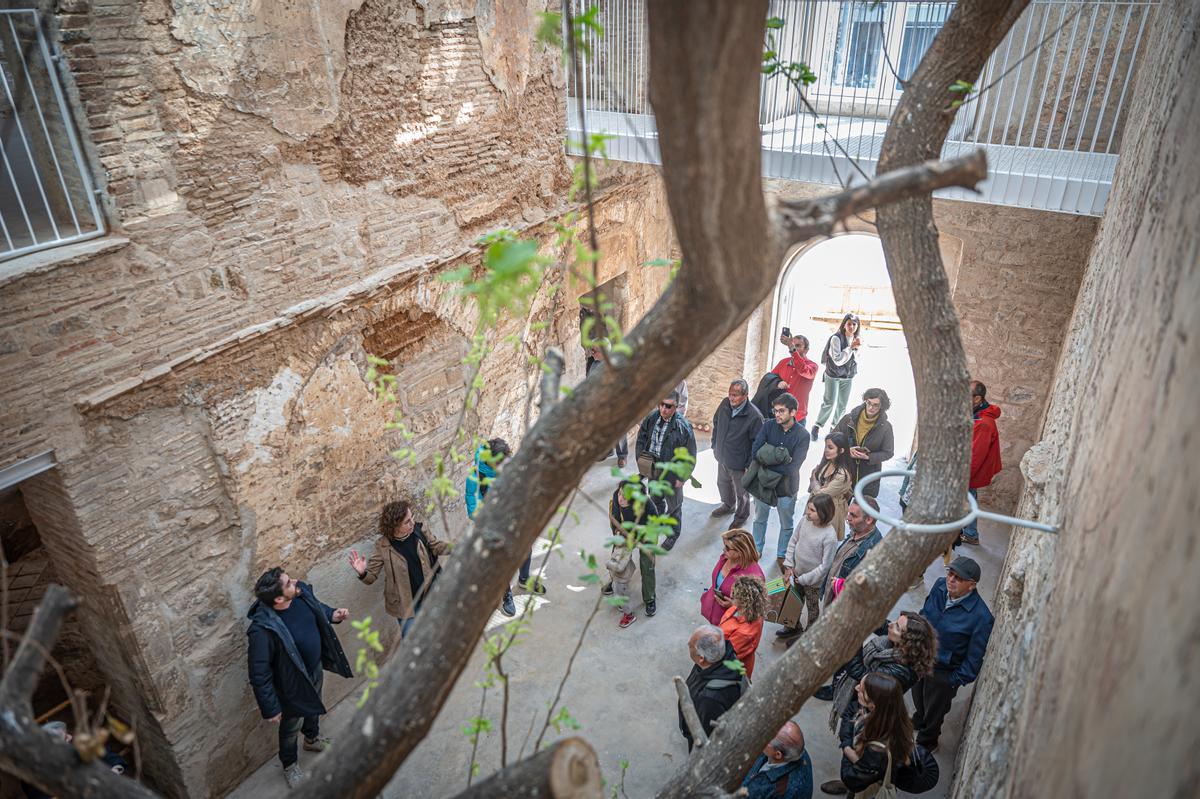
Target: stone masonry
pixel 1089 687
pixel 283 185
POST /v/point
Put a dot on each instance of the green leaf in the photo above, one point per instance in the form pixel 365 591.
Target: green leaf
pixel 735 665
pixel 775 23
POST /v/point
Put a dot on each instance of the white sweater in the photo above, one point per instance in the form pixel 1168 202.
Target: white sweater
pixel 810 551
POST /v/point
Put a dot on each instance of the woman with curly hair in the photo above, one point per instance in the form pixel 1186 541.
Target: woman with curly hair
pixel 739 556
pixel 743 620
pixel 407 556
pixel 906 654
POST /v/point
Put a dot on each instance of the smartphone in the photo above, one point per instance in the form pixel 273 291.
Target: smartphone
pixel 786 332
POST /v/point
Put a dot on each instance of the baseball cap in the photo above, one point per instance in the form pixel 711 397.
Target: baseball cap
pixel 965 568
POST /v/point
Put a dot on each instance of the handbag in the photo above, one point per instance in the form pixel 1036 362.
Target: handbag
pixel 883 789
pixel 645 463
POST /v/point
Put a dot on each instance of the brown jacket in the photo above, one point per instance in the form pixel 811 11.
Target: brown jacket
pixel 397 595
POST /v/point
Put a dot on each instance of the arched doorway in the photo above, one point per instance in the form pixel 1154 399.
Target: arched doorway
pixel 819 285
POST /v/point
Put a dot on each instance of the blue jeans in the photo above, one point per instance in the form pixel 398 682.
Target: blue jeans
pixel 971 531
pixel 290 727
pixel 762 512
pixel 405 624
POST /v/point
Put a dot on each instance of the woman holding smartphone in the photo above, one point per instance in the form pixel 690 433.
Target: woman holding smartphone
pixel 841 365
pixel 738 557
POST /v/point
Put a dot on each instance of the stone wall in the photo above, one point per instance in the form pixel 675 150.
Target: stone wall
pixel 1089 685
pixel 284 190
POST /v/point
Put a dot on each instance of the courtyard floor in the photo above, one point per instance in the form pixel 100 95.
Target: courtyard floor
pixel 620 689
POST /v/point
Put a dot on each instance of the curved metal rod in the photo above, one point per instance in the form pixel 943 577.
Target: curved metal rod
pixel 944 527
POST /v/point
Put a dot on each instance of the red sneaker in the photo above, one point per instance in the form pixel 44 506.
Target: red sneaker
pixel 626 620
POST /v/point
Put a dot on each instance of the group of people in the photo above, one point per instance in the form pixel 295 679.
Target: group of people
pixel 930 654
pixel 292 642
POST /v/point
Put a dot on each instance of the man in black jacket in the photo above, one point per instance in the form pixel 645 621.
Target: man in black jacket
pixel 870 435
pixel 712 685
pixel 735 424
pixel 291 644
pixel 660 434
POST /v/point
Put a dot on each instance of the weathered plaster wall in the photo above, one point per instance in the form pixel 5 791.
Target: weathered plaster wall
pixel 284 189
pixel 271 450
pixel 1089 687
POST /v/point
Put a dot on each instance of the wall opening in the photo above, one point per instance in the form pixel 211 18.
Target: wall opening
pixel 819 285
pixel 30 570
pixel 608 300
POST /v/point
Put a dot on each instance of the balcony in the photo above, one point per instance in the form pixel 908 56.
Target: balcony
pixel 1050 116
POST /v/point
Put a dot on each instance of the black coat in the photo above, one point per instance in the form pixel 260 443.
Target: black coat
pixel 879 440
pixel 281 683
pixel 768 389
pixel 678 434
pixel 713 690
pixel 733 436
pixel 918 775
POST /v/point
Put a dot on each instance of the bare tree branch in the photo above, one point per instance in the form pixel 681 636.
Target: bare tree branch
pixel 800 220
pixel 568 769
pixel 23 672
pixel 552 373
pixel 688 708
pixel 26 751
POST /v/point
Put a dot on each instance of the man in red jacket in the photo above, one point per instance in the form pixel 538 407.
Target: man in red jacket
pixel 985 450
pixel 796 374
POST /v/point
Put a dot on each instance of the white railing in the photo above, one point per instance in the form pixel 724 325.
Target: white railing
pixel 46 194
pixel 1049 107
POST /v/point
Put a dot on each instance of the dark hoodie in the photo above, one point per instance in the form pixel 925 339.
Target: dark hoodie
pixel 281 683
pixel 713 691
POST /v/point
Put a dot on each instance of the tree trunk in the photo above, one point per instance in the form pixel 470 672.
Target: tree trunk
pixel 568 769
pixel 921 122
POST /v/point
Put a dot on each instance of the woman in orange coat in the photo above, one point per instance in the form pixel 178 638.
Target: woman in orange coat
pixel 743 621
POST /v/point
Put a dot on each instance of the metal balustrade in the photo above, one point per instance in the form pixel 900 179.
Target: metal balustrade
pixel 1049 108
pixel 46 194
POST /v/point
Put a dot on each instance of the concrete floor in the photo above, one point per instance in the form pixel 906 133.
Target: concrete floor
pixel 620 689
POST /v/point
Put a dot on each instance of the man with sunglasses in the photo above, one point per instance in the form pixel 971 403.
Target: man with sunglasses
pixel 660 434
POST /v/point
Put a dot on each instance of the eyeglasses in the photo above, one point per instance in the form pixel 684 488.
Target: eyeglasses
pixel 667 405
pixel 779 410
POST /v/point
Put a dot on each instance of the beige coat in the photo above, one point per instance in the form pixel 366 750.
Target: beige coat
pixel 397 595
pixel 839 488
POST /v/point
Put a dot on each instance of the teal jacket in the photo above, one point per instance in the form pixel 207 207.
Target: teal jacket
pixel 477 485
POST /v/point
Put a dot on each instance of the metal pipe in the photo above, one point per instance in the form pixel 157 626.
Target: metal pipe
pixel 944 527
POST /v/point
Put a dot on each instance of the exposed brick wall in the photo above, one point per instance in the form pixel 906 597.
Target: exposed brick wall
pixel 202 386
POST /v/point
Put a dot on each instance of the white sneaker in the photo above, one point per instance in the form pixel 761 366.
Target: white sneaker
pixel 294 775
